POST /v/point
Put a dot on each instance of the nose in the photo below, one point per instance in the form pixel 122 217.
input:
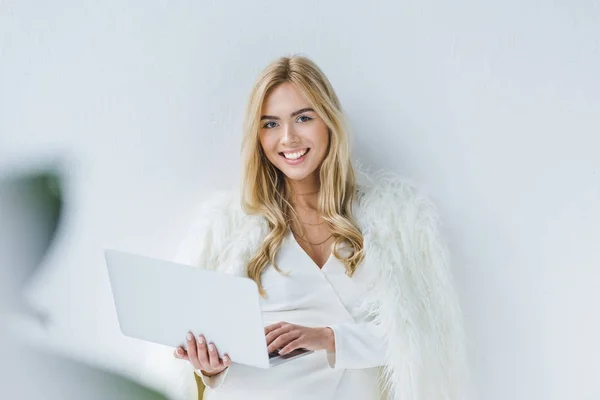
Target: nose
pixel 290 136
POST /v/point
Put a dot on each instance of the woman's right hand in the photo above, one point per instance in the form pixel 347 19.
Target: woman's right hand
pixel 204 358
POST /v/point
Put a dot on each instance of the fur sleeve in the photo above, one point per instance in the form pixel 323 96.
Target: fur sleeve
pixel 414 298
pixel 446 375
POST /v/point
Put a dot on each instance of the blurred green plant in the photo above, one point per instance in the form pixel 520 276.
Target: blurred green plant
pixel 32 204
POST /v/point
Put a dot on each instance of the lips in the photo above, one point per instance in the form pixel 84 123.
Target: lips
pixel 294 154
pixel 294 157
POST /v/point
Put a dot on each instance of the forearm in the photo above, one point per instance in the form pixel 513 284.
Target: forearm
pixel 329 339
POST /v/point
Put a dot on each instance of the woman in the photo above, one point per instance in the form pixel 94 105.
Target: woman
pixel 354 269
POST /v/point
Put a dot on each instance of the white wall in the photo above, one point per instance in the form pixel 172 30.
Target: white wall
pixel 493 108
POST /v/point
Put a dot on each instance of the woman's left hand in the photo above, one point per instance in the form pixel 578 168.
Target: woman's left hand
pixel 289 337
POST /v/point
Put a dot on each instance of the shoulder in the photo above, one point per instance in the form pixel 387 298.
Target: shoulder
pixel 220 214
pixel 384 196
pixel 216 223
pixel 383 185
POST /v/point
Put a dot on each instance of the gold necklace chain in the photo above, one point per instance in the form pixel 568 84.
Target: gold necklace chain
pixel 312 244
pixel 308 223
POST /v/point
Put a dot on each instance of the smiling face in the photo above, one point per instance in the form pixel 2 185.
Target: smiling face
pixel 293 137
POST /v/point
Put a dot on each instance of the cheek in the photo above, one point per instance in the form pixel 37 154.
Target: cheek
pixel 323 139
pixel 268 146
pixel 264 143
pixel 317 134
pixel 326 139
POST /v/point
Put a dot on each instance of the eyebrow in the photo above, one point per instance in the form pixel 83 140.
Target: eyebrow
pixel 300 111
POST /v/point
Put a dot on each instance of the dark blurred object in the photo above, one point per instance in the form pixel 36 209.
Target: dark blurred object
pixel 38 195
pixel 31 206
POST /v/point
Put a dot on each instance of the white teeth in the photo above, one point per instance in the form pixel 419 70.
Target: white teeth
pixel 294 156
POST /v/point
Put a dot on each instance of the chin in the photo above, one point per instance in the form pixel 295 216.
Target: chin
pixel 296 175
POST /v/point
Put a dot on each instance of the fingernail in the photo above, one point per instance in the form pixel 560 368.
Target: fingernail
pixel 211 347
pixel 178 352
pixel 200 340
pixel 189 336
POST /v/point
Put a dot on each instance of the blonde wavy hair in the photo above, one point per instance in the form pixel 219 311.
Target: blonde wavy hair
pixel 264 189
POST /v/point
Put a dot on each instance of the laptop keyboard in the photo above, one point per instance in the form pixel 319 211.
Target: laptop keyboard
pixel 273 354
pixel 291 354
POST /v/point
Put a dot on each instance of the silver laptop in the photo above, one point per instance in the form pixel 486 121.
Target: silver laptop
pixel 160 301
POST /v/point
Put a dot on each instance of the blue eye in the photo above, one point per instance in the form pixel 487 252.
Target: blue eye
pixel 267 125
pixel 305 116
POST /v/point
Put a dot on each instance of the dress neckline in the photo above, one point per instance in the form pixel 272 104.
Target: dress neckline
pixel 292 238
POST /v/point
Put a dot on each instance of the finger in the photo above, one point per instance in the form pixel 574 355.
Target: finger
pixel 180 353
pixel 278 332
pixel 203 352
pixel 274 326
pixel 293 345
pixel 226 360
pixel 213 356
pixel 283 340
pixel 192 352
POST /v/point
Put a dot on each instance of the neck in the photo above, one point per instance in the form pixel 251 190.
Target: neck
pixel 305 193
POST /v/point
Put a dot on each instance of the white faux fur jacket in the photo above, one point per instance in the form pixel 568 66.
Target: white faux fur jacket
pixel 412 292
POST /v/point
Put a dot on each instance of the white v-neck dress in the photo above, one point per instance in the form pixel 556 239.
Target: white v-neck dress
pixel 312 297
